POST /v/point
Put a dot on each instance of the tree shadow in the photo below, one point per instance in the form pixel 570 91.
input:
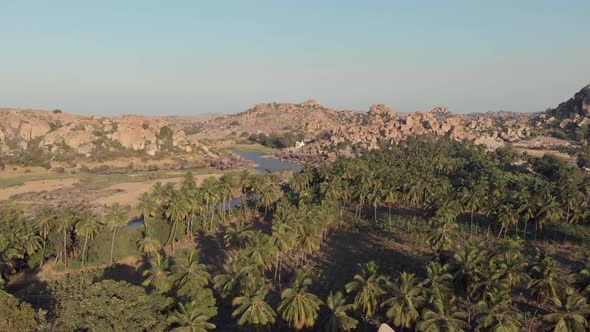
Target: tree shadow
pixel 212 251
pixel 125 272
pixel 34 291
pixel 341 255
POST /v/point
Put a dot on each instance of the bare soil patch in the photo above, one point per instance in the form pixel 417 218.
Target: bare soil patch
pixel 37 186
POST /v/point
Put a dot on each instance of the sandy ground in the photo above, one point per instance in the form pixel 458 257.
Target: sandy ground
pixel 36 186
pixel 129 192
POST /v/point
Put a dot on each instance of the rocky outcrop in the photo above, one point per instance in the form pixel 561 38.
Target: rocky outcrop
pixel 381 124
pixel 569 115
pixel 308 118
pixel 55 131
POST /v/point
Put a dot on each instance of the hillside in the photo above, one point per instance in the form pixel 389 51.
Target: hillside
pixel 36 137
pixel 308 118
pixel 569 119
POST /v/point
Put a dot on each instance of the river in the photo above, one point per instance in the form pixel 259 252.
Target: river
pixel 262 162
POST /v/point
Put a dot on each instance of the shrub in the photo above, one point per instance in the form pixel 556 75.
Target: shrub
pixel 125 245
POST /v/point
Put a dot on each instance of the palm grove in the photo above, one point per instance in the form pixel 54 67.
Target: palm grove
pixel 488 228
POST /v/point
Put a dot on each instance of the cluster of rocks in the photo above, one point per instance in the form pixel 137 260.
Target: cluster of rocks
pixel 228 162
pixel 308 117
pixel 381 124
pixel 61 197
pixel 54 131
pixel 570 114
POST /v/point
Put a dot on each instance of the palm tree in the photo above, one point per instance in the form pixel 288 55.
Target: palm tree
pixel 158 275
pixel 146 207
pixel 226 185
pixel 438 279
pixel 282 241
pixel 545 282
pixel 548 211
pixel 211 196
pixel 496 314
pixel 506 216
pixel 177 211
pixel 253 310
pixel 190 317
pixel 368 286
pixel 65 221
pixel 405 302
pixel 238 235
pixel 115 218
pixel 45 218
pixel 467 261
pixel 243 183
pixel 443 316
pixel 88 227
pixel 511 268
pixel 299 307
pixel 338 319
pixel 260 251
pixel 569 315
pixel 188 269
pixel 442 234
pixel 149 245
pixel 471 199
pixel 527 208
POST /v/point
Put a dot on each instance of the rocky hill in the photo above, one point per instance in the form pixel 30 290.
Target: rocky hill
pixel 308 118
pixel 570 118
pixel 381 124
pixel 42 136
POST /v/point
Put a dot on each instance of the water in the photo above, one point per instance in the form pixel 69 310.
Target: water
pixel 264 161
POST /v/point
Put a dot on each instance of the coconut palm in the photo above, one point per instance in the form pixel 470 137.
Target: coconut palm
pixel 254 311
pixel 337 319
pixel 282 241
pixel 467 261
pixel 226 185
pixel 443 316
pixel 176 212
pixel 158 275
pixel 299 307
pixel 368 286
pixel 404 305
pixel 44 221
pixel 88 227
pixel 65 222
pixel 442 234
pixel 115 218
pixel 496 314
pixel 527 208
pixel 569 314
pixel 188 269
pixel 146 207
pixel 511 266
pixel 149 245
pixel 190 317
pixel 438 279
pixel 471 198
pixel 545 281
pixel 238 235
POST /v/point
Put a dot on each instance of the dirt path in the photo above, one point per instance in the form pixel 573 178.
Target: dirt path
pixel 129 192
pixel 36 186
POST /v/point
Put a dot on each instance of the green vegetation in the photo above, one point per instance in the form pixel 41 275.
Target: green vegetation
pixel 251 146
pixel 428 236
pixel 277 141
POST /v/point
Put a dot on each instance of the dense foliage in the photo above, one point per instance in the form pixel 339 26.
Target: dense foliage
pixel 486 222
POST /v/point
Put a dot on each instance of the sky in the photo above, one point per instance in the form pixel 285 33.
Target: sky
pixel 221 56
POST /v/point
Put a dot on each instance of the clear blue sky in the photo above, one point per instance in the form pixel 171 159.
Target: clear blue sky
pixel 190 57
